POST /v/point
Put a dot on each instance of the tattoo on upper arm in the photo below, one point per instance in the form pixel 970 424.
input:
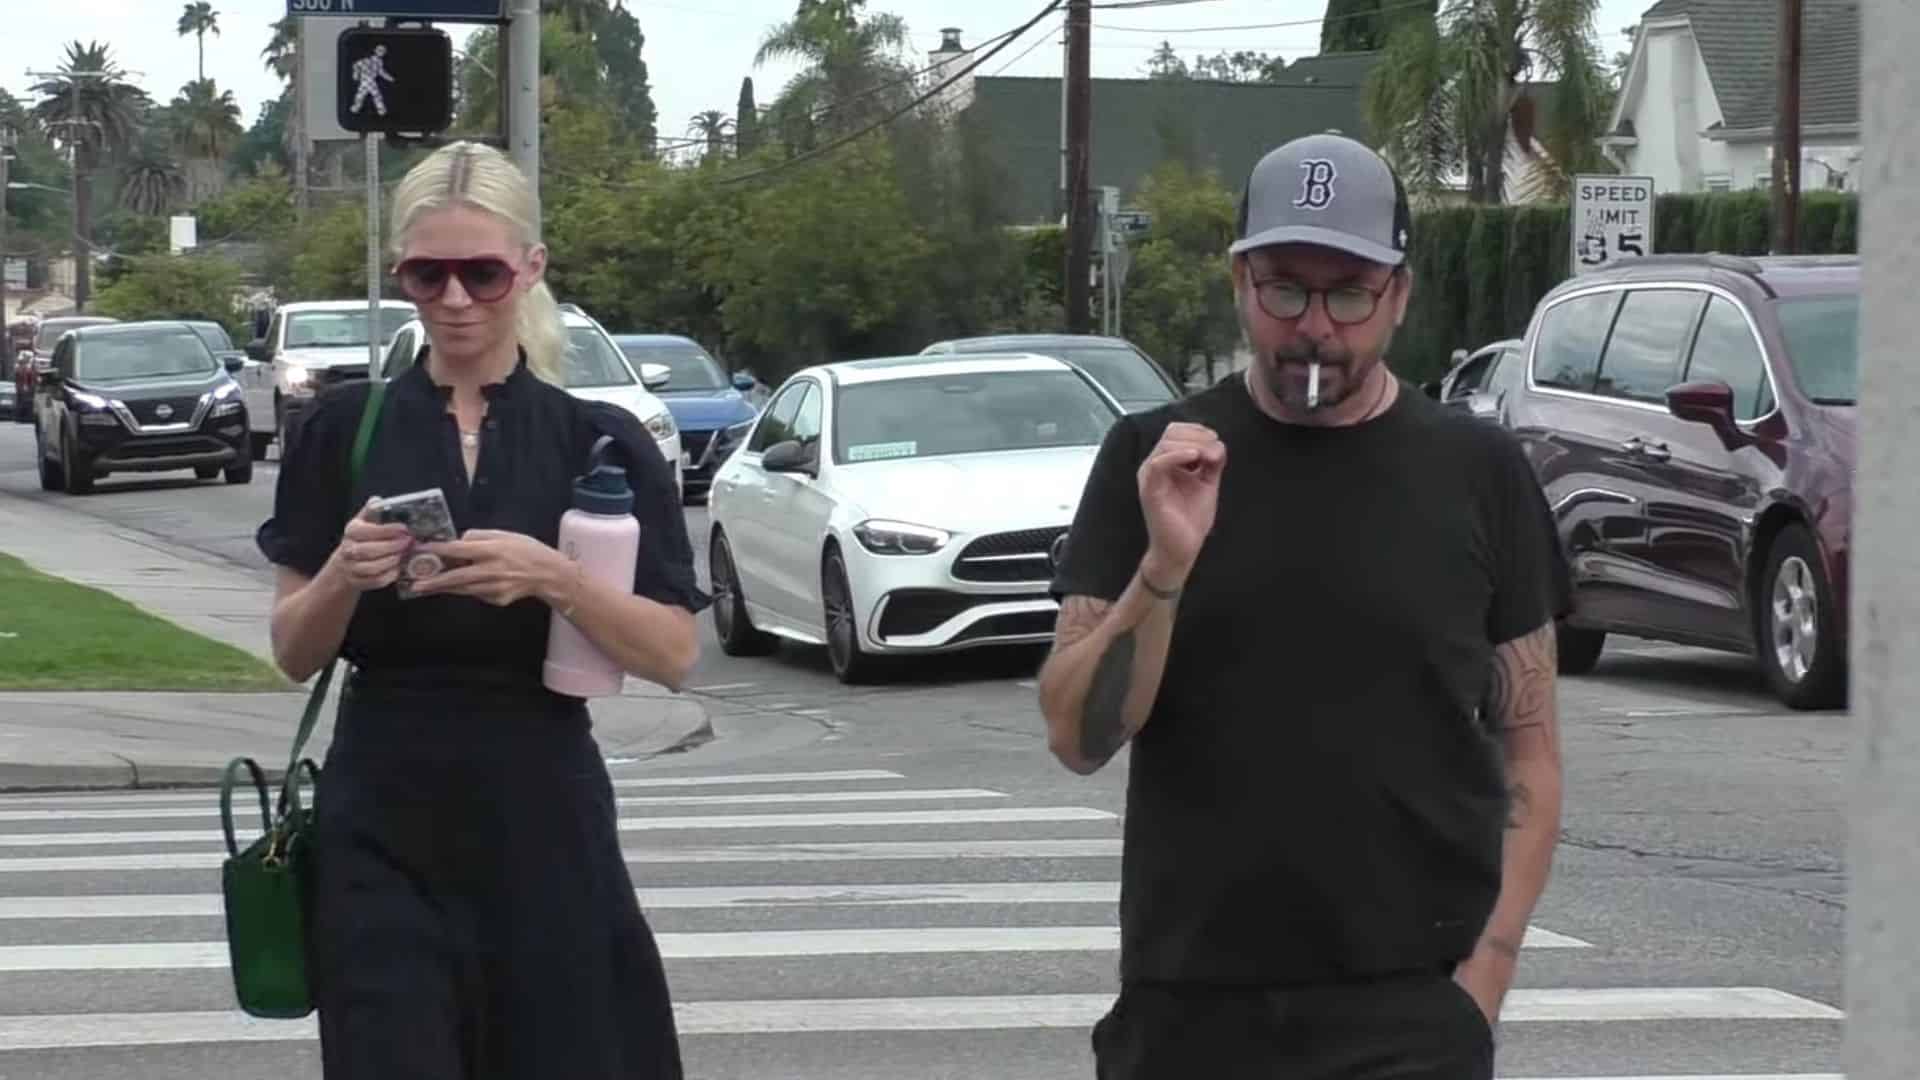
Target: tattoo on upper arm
pixel 1523 709
pixel 1103 722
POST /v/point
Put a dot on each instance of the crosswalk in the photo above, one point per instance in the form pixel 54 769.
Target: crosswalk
pixel 829 924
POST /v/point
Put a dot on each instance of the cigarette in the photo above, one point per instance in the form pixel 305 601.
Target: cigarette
pixel 1313 385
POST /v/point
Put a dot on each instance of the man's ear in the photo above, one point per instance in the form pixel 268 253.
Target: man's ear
pixel 1403 294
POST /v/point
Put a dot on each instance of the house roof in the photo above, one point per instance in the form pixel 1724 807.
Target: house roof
pixel 1738 40
pixel 1138 123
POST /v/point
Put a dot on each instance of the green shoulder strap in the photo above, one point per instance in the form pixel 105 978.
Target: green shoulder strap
pixel 362 441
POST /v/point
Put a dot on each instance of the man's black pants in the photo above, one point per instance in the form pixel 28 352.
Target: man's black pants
pixel 1403 1027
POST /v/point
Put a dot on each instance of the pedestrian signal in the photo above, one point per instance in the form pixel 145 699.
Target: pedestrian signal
pixel 395 81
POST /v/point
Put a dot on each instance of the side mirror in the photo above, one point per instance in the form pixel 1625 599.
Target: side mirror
pixel 655 376
pixel 1709 403
pixel 233 362
pixel 257 349
pixel 1431 388
pixel 788 457
pixel 742 381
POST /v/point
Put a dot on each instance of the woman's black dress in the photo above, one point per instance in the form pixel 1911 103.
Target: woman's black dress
pixel 473 914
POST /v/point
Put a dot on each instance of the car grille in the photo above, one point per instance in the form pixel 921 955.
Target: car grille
pixel 694 443
pixel 1009 556
pixel 166 446
pixel 180 410
pixel 919 611
pixel 334 376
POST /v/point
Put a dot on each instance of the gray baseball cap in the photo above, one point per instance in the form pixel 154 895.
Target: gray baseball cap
pixel 1328 190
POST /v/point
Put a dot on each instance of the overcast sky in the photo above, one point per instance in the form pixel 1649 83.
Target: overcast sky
pixel 696 52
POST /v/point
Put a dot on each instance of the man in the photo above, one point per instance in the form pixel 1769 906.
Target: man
pixel 1294 592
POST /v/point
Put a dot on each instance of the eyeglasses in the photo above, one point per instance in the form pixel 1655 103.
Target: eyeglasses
pixel 485 279
pixel 1346 304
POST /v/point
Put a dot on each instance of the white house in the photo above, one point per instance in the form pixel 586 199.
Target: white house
pixel 1697 107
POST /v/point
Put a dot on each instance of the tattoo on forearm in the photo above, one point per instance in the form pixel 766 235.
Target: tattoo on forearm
pixel 1522 708
pixel 1519 803
pixel 1103 721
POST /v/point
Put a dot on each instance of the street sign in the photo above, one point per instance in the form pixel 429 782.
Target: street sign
pixel 435 10
pixel 1133 221
pixel 394 81
pixel 1612 219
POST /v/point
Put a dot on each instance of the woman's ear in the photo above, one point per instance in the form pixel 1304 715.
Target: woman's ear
pixel 536 263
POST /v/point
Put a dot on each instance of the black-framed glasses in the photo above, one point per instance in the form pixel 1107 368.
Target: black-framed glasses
pixel 485 279
pixel 1346 304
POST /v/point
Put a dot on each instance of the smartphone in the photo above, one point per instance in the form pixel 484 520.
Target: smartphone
pixel 428 520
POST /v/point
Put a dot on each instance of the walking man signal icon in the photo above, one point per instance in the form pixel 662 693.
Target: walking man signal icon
pixel 367 73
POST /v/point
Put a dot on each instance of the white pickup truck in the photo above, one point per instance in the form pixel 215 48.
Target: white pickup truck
pixel 308 347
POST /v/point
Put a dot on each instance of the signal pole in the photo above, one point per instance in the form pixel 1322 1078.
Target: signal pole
pixel 1786 134
pixel 1079 80
pixel 523 73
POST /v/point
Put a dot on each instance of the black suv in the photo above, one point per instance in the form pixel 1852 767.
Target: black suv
pixel 138 397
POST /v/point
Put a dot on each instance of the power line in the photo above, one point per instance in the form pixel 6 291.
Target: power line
pixel 1024 53
pixel 922 99
pixel 1402 5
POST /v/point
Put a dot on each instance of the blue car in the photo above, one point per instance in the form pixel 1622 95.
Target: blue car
pixel 711 408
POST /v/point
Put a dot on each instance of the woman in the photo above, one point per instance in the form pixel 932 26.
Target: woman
pixel 473 915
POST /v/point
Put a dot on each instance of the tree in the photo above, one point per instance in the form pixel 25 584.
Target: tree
pixel 1365 25
pixel 1179 296
pixel 199 19
pixel 1165 63
pixel 1448 92
pixel 711 127
pixel 282 54
pixel 94 112
pixel 206 120
pixel 1241 66
pixel 175 287
pixel 849 63
pixel 746 120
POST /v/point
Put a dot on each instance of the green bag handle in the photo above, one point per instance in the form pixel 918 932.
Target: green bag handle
pixel 290 783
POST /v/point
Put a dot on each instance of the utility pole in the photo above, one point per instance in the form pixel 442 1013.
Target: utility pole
pixel 523 72
pixel 1883 863
pixel 1786 134
pixel 1079 166
pixel 7 142
pixel 301 165
pixel 82 244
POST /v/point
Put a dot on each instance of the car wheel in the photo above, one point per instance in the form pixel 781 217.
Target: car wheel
pixel 260 440
pixel 731 624
pixel 206 472
pixel 76 469
pixel 1798 636
pixel 241 472
pixel 1579 649
pixel 850 663
pixel 50 479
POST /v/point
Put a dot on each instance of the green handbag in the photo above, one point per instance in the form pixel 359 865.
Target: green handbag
pixel 268 887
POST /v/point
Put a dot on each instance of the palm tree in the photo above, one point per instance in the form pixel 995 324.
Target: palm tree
pixel 846 60
pixel 282 54
pixel 205 121
pixel 92 111
pixel 1448 91
pixel 199 19
pixel 150 180
pixel 713 126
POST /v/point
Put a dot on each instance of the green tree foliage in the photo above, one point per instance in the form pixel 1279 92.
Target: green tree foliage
pixel 329 255
pixel 746 120
pixel 92 108
pixel 175 287
pixel 199 19
pixel 257 208
pixel 1177 302
pixel 1365 25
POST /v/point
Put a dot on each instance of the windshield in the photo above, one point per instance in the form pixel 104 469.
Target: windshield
pixel 50 331
pixel 1125 374
pixel 592 361
pixel 341 329
pixel 162 354
pixel 692 368
pixel 1823 344
pixel 214 335
pixel 967 414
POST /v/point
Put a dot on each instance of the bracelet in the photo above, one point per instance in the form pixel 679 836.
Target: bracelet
pixel 573 597
pixel 1502 946
pixel 1157 591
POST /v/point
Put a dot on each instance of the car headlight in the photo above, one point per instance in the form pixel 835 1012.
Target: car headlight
pixel 660 425
pixel 90 401
pixel 883 537
pixel 297 378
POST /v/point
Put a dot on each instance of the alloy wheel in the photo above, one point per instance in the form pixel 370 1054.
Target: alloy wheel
pixel 1794 619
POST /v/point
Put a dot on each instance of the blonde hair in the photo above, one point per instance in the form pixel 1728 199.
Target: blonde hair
pixel 473 174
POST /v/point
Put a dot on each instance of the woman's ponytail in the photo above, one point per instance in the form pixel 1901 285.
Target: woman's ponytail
pixel 542 334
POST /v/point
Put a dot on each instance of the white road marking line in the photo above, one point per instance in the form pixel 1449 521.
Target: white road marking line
pixel 1008 1013
pixel 678 898
pixel 841 819
pixel 212 798
pixel 717 687
pixel 829 851
pixel 250 810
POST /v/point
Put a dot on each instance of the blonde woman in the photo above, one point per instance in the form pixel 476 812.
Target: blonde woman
pixel 473 912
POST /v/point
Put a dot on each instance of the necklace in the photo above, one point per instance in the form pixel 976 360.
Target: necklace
pixel 470 440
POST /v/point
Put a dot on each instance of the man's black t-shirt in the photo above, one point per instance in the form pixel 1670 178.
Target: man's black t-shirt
pixel 1315 796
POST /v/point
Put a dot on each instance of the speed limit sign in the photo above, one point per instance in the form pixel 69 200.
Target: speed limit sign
pixel 1612 219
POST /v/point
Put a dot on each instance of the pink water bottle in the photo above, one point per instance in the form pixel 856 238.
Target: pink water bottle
pixel 600 534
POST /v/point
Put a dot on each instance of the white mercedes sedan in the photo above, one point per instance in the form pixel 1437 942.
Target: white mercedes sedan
pixel 903 505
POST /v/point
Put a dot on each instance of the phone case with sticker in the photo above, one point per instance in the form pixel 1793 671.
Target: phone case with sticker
pixel 428 519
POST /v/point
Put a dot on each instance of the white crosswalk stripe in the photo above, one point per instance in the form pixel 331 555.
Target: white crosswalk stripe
pixel 915 910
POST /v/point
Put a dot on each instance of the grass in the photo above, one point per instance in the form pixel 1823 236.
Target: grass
pixel 55 635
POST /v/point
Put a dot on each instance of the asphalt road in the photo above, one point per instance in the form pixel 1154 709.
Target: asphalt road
pixel 896 881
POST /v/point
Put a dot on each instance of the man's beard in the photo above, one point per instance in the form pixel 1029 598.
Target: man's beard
pixel 1289 376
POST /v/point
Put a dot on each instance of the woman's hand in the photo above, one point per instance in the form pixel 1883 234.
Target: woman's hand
pixel 502 568
pixel 369 553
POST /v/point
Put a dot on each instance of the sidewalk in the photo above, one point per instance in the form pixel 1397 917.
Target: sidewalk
pixel 79 739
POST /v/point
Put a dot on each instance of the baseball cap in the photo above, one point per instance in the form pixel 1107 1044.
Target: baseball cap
pixel 1329 190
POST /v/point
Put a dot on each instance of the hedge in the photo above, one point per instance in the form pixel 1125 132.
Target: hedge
pixel 1479 270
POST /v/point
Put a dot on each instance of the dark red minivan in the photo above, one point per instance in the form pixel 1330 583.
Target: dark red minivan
pixel 1691 418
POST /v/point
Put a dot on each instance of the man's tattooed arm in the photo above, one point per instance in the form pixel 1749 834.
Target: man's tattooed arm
pixel 1524 711
pixel 1100 681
